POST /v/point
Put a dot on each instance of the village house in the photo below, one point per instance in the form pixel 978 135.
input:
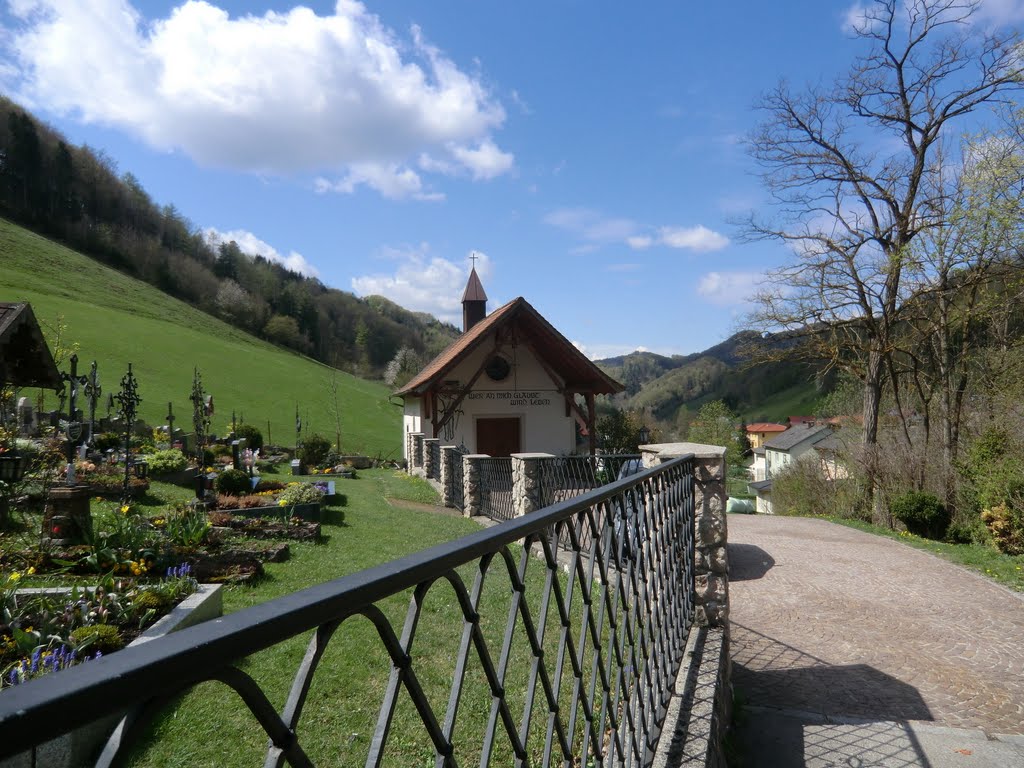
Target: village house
pixel 781 451
pixel 758 434
pixel 511 383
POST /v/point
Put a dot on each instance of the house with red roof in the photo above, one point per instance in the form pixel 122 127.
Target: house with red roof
pixel 762 432
pixel 511 383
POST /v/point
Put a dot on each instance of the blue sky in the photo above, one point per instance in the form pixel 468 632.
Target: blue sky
pixel 590 152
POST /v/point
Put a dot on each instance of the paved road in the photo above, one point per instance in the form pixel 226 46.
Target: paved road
pixel 854 650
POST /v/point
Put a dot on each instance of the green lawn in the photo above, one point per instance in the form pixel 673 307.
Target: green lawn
pixel 118 320
pixel 209 726
pixel 1007 570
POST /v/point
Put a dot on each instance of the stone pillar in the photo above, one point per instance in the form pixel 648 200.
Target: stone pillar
pixel 472 488
pixel 430 457
pixel 66 517
pixel 527 493
pixel 415 450
pixel 451 462
pixel 711 561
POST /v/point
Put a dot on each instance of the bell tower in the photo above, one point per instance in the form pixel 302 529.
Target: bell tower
pixel 474 300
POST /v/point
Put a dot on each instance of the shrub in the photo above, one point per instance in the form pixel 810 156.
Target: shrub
pixel 269 485
pixel 107 440
pixel 217 450
pixel 314 450
pixel 233 482
pixel 253 437
pixel 302 493
pixel 167 462
pixel 968 531
pixel 97 637
pixel 922 513
pixel 1005 521
pixel 802 488
pixel 265 467
pixel 150 600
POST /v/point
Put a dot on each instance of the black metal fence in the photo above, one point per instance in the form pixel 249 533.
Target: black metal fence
pixel 574 665
pixel 458 490
pixel 564 477
pixel 496 498
pixel 435 460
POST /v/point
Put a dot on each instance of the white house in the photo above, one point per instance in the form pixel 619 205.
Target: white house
pixel 780 452
pixel 510 383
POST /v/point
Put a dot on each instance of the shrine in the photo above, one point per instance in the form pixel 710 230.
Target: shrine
pixel 511 383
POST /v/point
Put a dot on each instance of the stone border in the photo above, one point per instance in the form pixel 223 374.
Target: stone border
pixel 700 710
pixel 79 747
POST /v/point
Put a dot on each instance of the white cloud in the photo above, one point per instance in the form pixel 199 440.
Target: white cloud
pixel 699 238
pixel 596 229
pixel 1002 11
pixel 856 19
pixel 424 283
pixel 390 180
pixel 281 93
pixel 591 225
pixel 728 288
pixel 484 162
pixel 251 245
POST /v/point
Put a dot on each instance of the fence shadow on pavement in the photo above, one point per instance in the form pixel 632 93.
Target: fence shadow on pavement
pixel 803 711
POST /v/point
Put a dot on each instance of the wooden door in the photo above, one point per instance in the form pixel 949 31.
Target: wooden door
pixel 497 437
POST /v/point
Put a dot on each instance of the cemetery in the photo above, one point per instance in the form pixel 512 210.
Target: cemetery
pixel 125 519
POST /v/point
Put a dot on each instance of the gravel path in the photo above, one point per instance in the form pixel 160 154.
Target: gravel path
pixel 844 626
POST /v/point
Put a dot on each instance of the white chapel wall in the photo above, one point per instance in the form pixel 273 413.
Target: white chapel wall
pixel 528 393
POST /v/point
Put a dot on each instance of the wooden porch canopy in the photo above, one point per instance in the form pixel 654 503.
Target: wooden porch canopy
pixel 25 359
pixel 514 323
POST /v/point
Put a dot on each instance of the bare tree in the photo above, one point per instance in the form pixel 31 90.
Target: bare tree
pixel 964 275
pixel 854 172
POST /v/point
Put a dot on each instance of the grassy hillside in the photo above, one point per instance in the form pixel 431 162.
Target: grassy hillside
pixel 116 319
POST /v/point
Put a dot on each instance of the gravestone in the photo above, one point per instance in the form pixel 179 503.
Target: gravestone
pixel 26 417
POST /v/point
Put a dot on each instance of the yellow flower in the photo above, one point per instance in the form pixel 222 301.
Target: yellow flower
pixel 124 509
pixel 31 570
pixel 14 576
pixel 282 503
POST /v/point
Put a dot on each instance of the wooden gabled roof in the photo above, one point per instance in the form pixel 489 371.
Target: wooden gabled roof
pixel 560 355
pixel 25 359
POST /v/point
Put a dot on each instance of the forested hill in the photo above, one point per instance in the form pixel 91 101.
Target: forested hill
pixel 666 385
pixel 75 195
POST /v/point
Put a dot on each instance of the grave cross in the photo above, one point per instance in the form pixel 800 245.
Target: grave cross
pixel 93 390
pixel 73 430
pixel 170 421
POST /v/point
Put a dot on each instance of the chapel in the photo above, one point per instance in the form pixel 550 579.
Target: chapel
pixel 511 383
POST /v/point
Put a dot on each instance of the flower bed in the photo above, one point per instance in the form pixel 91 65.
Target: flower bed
pixel 80 746
pixel 47 630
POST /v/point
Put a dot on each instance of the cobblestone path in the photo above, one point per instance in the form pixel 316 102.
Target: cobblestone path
pixel 843 624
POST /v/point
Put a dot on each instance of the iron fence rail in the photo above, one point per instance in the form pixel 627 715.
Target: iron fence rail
pixel 497 500
pixel 457 477
pixel 598 657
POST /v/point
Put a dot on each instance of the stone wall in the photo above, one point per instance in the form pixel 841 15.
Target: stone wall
pixel 472 488
pixel 711 564
pixel 527 493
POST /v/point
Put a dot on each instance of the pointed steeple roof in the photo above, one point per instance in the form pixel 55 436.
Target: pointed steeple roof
pixel 474 288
